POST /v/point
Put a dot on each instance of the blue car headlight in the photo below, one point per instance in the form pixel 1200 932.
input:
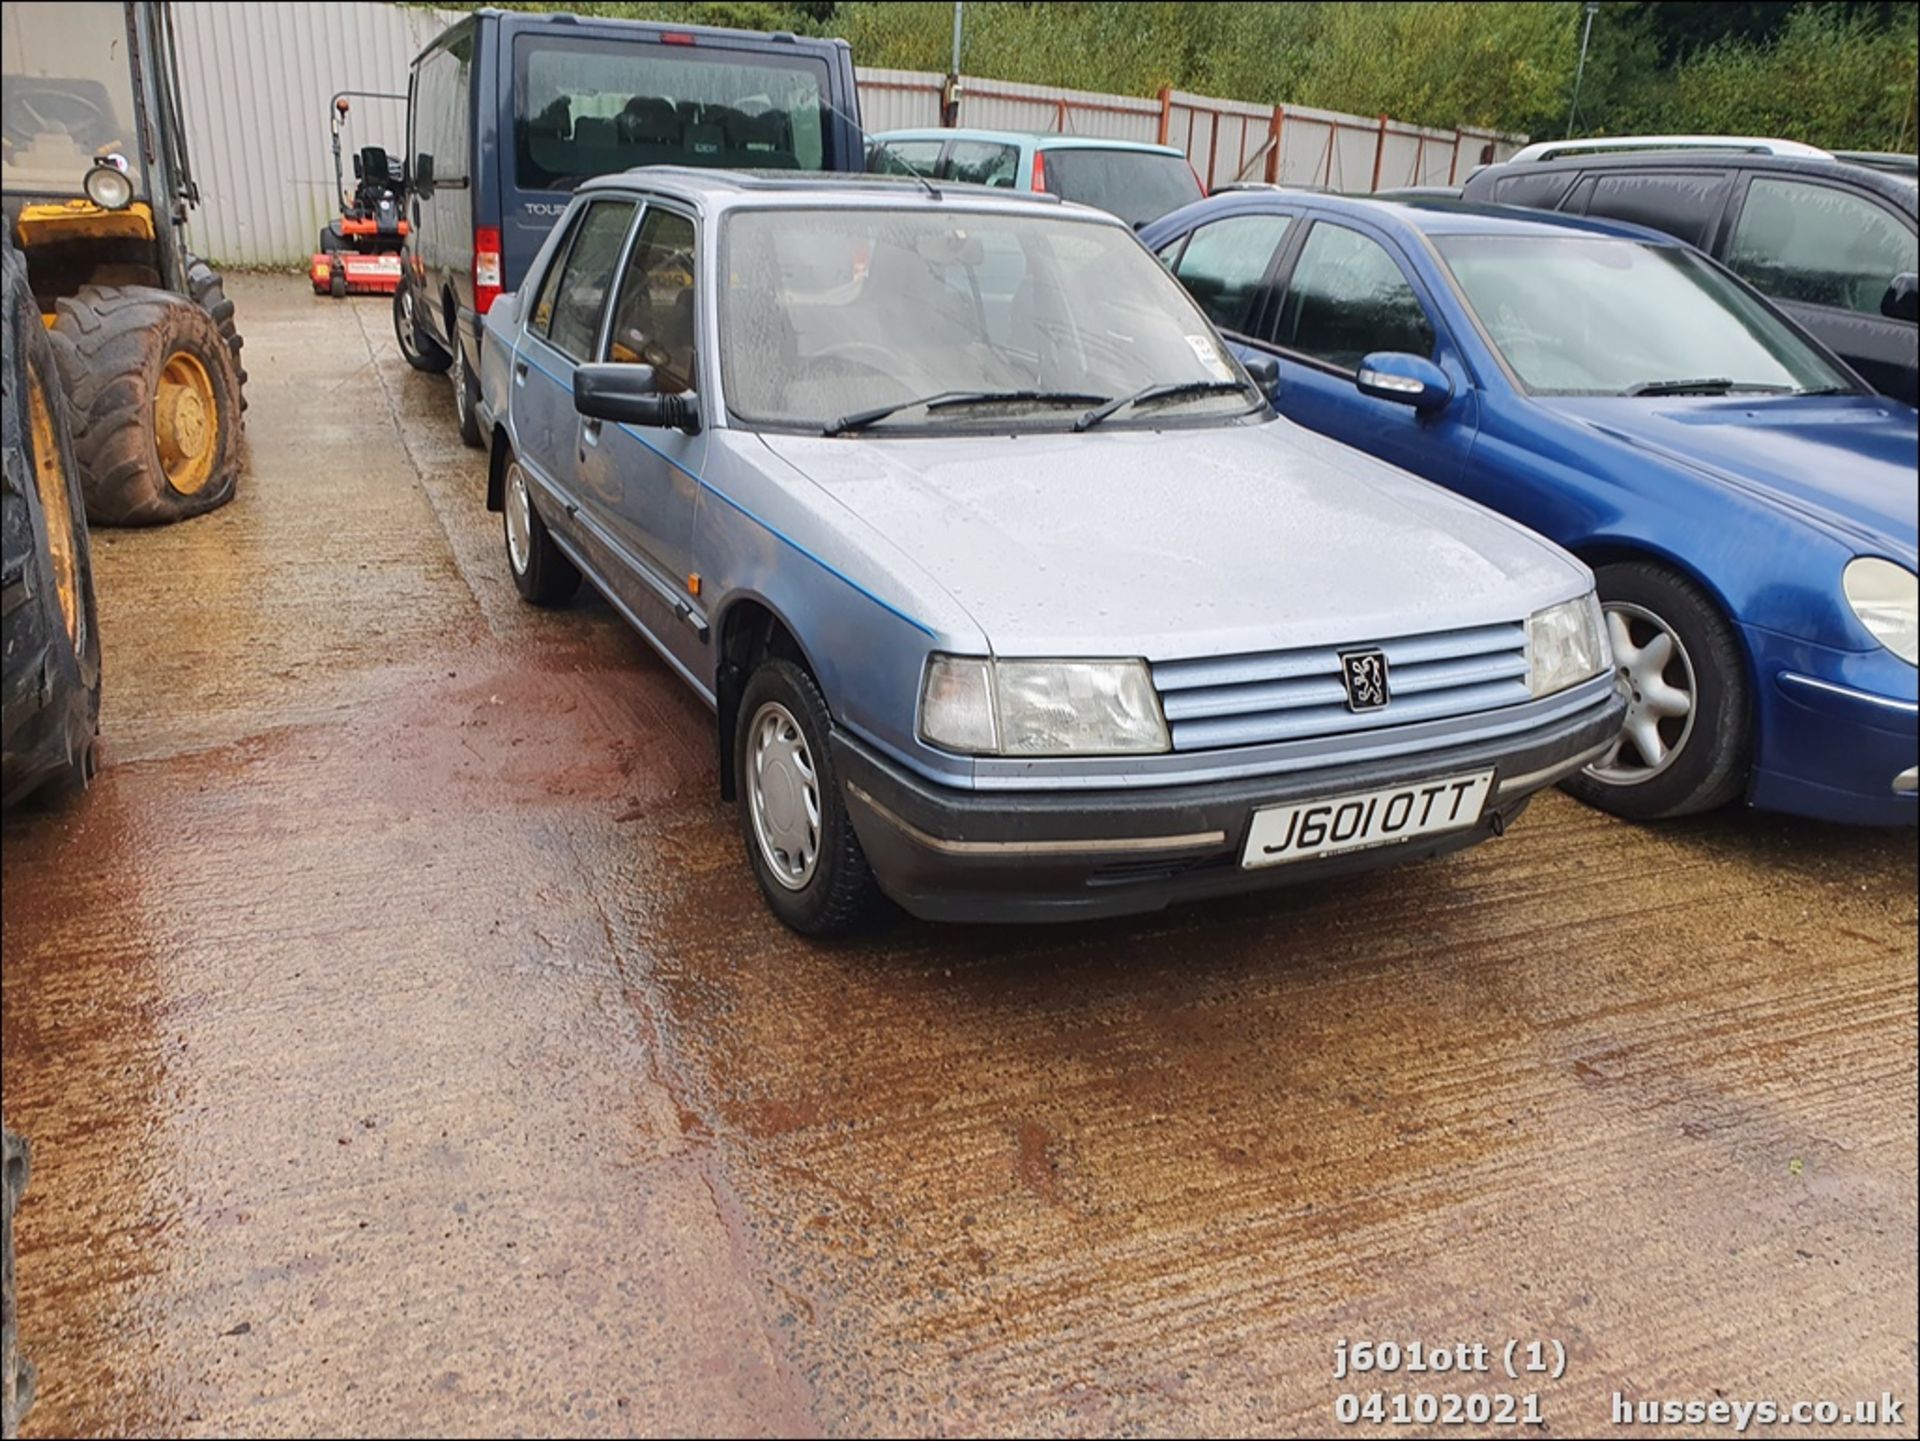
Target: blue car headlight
pixel 1885 598
pixel 1566 644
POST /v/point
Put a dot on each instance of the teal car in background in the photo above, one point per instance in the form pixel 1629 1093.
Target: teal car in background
pixel 1135 181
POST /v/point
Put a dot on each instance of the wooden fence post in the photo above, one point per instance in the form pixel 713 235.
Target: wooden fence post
pixel 1166 110
pixel 1379 152
pixel 1275 127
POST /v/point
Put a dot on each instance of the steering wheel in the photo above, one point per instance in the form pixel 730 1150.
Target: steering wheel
pixel 35 111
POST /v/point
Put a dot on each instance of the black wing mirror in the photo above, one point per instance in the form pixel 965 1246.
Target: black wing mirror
pixel 1265 371
pixel 631 394
pixel 421 180
pixel 1902 300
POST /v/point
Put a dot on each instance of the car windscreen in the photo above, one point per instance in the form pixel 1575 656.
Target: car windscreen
pixel 1136 185
pixel 592 107
pixel 69 97
pixel 825 314
pixel 1587 315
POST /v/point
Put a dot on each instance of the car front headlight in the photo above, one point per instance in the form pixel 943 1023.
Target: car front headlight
pixel 1566 644
pixel 1040 707
pixel 1886 599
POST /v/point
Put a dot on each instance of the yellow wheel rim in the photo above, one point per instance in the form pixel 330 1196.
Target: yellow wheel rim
pixel 50 479
pixel 186 423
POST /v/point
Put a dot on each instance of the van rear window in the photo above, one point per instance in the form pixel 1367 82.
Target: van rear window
pixel 590 107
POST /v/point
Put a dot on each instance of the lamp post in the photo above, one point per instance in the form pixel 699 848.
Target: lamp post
pixel 1592 7
pixel 950 92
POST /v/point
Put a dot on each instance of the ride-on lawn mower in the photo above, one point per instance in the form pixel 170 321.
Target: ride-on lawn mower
pixel 360 252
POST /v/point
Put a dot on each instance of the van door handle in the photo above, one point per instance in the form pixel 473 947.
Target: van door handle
pixel 519 372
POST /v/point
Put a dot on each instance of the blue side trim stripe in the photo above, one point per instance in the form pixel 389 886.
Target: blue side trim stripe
pixel 717 494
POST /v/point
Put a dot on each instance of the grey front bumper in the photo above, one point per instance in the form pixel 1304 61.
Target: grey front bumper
pixel 947 854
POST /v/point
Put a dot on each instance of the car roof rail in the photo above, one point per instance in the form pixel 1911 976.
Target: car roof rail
pixel 1739 144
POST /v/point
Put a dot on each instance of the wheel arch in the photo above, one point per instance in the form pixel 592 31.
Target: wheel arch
pixel 749 627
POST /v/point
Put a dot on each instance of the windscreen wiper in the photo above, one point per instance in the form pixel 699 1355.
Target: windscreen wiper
pixel 1155 392
pixel 952 399
pixel 1712 385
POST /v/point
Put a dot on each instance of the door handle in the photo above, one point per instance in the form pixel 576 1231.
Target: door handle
pixel 589 435
pixel 519 372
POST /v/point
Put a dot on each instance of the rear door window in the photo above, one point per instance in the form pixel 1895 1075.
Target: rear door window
pixel 1542 192
pixel 905 157
pixel 590 107
pixel 1225 262
pixel 1136 185
pixel 983 162
pixel 586 278
pixel 1683 203
pixel 1818 245
pixel 1346 298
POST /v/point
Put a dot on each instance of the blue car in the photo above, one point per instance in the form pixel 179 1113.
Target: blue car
pixel 1746 502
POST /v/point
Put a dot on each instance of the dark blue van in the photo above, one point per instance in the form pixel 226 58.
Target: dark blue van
pixel 507 112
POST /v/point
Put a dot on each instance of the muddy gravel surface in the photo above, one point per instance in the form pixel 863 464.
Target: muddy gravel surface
pixel 405 1049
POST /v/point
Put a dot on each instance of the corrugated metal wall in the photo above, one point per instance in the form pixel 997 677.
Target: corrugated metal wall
pixel 258 76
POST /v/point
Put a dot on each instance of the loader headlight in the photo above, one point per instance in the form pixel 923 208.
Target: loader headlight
pixel 1040 707
pixel 107 184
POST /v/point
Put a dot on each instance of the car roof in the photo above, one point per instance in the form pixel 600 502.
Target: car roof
pixel 1043 140
pixel 1542 150
pixel 1432 215
pixel 1896 187
pixel 747 189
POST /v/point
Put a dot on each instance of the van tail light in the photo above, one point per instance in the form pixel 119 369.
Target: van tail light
pixel 486 267
pixel 1039 172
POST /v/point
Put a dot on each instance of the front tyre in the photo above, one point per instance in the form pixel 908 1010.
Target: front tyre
pixel 541 572
pixel 799 838
pixel 1687 741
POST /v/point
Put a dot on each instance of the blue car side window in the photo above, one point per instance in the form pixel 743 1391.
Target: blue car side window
pixel 1347 298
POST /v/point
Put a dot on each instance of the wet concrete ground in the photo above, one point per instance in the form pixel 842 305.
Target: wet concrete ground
pixel 406 1049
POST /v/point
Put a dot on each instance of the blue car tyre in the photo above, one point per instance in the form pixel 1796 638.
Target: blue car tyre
pixel 541 573
pixel 800 840
pixel 1687 740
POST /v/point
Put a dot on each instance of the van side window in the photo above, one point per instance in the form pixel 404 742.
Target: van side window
pixel 441 105
pixel 1818 245
pixel 653 319
pixel 587 277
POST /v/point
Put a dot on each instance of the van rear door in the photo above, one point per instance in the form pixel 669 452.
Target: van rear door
pixel 586 100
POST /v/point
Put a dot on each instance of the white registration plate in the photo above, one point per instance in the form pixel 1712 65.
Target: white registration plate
pixel 1307 829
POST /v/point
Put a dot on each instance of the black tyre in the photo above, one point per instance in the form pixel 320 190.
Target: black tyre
pixel 541 572
pixel 209 292
pixel 337 282
pixel 51 632
pixel 793 819
pixel 421 350
pixel 1687 744
pixel 155 404
pixel 466 396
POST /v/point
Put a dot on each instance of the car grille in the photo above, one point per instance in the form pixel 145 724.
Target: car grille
pixel 1285 695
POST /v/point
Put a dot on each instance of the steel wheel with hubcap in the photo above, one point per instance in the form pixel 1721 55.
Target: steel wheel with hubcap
pixel 1655 664
pixel 422 352
pixel 783 793
pixel 799 837
pixel 541 571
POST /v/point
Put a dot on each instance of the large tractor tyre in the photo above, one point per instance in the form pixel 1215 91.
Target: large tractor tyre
pixel 209 292
pixel 48 557
pixel 156 404
pixel 422 351
pixel 18 1395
